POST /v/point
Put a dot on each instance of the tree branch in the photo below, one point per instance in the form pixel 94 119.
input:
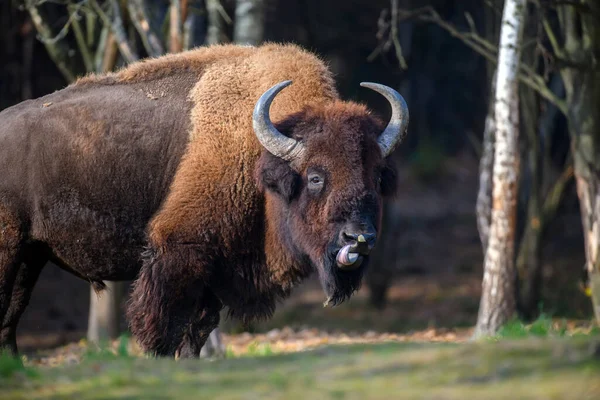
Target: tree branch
pixel 80 38
pixel 175 27
pixel 394 33
pixel 141 21
pixel 58 50
pixel 217 18
pixel 489 51
pixel 116 26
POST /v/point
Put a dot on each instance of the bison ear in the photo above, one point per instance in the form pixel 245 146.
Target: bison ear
pixel 276 175
pixel 389 180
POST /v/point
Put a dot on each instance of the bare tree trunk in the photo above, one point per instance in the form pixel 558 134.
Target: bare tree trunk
pixel 217 20
pixel 105 313
pixel 214 347
pixel 483 206
pixel 528 262
pixel 379 278
pixel 109 54
pixel 194 26
pixel 498 293
pixel 175 27
pixel 582 86
pixel 249 22
pixel 28 43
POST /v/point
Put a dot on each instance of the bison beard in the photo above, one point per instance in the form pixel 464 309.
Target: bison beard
pixel 339 285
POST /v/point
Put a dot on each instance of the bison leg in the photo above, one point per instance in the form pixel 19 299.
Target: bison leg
pixel 29 271
pixel 171 312
pixel 11 239
pixel 198 331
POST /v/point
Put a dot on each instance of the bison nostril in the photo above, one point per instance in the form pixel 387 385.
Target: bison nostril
pixel 349 237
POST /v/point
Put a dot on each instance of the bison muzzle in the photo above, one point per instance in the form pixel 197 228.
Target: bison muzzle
pixel 216 178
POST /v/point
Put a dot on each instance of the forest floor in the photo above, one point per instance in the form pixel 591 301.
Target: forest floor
pixel 529 368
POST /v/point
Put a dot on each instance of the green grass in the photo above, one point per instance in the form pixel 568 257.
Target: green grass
pixel 529 368
pixel 543 326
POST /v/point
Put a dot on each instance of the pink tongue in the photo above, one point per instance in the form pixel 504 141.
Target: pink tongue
pixel 343 256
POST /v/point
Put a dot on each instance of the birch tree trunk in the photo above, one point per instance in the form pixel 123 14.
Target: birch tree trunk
pixel 498 301
pixel 249 22
pixel 483 207
pixel 105 313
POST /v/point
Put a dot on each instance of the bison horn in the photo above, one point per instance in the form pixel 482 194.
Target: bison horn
pixel 395 131
pixel 274 141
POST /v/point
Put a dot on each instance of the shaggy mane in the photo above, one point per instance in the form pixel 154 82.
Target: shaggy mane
pixel 195 60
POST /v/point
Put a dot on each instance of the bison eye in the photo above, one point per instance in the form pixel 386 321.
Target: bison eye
pixel 315 181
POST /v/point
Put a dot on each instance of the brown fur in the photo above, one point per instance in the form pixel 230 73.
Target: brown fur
pixel 161 156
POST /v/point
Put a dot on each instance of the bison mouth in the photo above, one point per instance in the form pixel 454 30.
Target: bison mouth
pixel 351 256
pixel 340 281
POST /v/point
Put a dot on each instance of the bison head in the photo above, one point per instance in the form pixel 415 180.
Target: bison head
pixel 326 170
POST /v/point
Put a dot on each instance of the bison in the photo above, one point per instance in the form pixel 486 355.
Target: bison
pixel 192 174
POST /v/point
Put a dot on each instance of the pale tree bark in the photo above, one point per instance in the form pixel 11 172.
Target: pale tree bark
pixel 582 86
pixel 483 206
pixel 498 292
pixel 249 22
pixel 175 27
pixel 217 22
pixel 105 313
pixel 214 346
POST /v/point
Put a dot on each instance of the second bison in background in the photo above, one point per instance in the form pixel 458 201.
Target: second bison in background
pixel 172 170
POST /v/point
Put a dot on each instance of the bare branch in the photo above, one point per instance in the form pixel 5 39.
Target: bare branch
pixel 58 50
pixel 90 23
pixel 217 17
pixel 553 198
pixel 109 55
pixel 175 27
pixel 116 26
pixel 139 17
pixel 552 38
pixel 79 37
pixel 61 34
pixel 394 33
pixel 483 47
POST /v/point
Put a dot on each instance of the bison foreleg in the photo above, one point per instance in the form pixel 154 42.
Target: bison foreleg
pixel 205 321
pixel 171 312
